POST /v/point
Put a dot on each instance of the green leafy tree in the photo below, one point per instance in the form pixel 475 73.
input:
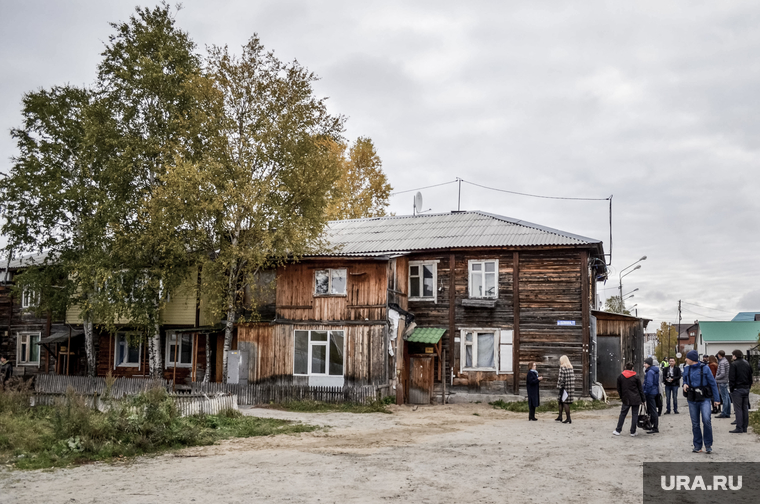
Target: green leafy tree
pixel 258 197
pixel 53 199
pixel 362 190
pixel 145 84
pixel 667 339
pixel 614 305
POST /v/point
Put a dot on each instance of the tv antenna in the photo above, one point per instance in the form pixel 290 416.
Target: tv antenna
pixel 418 204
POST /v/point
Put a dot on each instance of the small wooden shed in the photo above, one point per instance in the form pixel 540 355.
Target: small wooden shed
pixel 619 339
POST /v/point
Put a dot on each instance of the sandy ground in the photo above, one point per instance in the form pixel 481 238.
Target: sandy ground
pixel 453 453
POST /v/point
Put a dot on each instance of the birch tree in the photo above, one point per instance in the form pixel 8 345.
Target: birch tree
pixel 53 200
pixel 258 197
pixel 144 83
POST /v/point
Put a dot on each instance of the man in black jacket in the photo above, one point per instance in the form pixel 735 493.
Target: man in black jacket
pixel 672 379
pixel 632 394
pixel 739 383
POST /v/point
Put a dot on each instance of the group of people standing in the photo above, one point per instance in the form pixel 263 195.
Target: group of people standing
pixel 565 386
pixel 704 387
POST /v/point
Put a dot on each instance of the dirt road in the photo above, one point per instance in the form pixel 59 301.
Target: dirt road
pixel 453 453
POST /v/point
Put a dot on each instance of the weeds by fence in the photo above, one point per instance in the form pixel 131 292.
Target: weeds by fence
pixel 56 385
pixel 266 394
pixel 86 385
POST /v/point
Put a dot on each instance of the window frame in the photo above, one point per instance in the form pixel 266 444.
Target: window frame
pixel 170 343
pixel 309 354
pixel 482 273
pixel 329 292
pixel 434 267
pixel 30 298
pixel 501 338
pixel 24 360
pixel 137 364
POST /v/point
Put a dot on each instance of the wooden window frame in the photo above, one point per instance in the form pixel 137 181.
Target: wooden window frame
pixel 419 278
pixel 482 273
pixel 463 349
pixel 327 352
pixel 116 365
pixel 23 360
pixel 170 343
pixel 29 298
pixel 329 292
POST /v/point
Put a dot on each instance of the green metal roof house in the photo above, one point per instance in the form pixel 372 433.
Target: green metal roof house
pixel 727 336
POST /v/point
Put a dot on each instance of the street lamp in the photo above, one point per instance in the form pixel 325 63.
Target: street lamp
pixel 620 283
pixel 630 292
pixel 628 297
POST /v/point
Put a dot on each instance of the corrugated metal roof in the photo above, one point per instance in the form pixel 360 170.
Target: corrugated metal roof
pixel 427 335
pixel 730 331
pixel 442 231
pixel 745 316
pixel 23 261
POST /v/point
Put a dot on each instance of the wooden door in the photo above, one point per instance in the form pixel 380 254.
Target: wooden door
pixel 421 379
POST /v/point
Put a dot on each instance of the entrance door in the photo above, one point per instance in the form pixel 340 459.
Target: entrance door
pixel 608 364
pixel 421 380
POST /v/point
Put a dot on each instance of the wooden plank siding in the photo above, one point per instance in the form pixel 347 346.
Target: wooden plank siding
pixel 365 298
pixel 550 289
pixel 271 346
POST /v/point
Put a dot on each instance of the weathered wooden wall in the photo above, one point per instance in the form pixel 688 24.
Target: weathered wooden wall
pixel 14 320
pixel 550 290
pixel 365 298
pixel 105 351
pixel 631 333
pixel 270 352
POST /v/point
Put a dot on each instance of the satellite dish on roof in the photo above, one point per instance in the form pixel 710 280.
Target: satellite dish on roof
pixel 417 202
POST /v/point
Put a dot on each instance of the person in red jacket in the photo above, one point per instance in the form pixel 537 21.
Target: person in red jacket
pixel 632 394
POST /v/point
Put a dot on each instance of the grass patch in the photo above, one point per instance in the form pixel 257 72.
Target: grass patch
pixel 754 421
pixel 522 406
pixel 73 433
pixel 322 407
pixel 755 388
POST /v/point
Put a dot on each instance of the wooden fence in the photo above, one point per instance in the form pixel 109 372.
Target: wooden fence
pixel 265 394
pixel 86 385
pixel 187 404
pixel 57 385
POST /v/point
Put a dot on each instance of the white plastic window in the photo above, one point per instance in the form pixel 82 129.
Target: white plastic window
pixel 318 353
pixel 484 279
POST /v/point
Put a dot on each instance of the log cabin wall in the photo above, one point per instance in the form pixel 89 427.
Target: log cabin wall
pixel 550 289
pixel 271 352
pixel 14 321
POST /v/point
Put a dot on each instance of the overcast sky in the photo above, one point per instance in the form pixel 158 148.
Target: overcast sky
pixel 655 103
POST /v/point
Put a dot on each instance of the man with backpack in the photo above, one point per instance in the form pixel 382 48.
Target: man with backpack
pixel 651 391
pixel 701 393
pixel 630 392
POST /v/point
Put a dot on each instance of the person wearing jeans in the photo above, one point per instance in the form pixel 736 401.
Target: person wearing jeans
pixel 699 377
pixel 672 379
pixel 721 378
pixel 651 391
pixel 740 381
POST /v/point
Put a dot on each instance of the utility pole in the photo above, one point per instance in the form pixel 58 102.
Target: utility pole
pixel 679 324
pixel 459 196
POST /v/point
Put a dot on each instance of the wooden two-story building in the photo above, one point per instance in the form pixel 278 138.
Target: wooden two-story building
pixel 465 298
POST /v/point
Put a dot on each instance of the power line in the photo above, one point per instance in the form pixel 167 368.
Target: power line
pixel 701 315
pixel 707 307
pixel 536 195
pixel 421 188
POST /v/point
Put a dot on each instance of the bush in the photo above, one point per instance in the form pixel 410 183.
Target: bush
pixel 73 432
